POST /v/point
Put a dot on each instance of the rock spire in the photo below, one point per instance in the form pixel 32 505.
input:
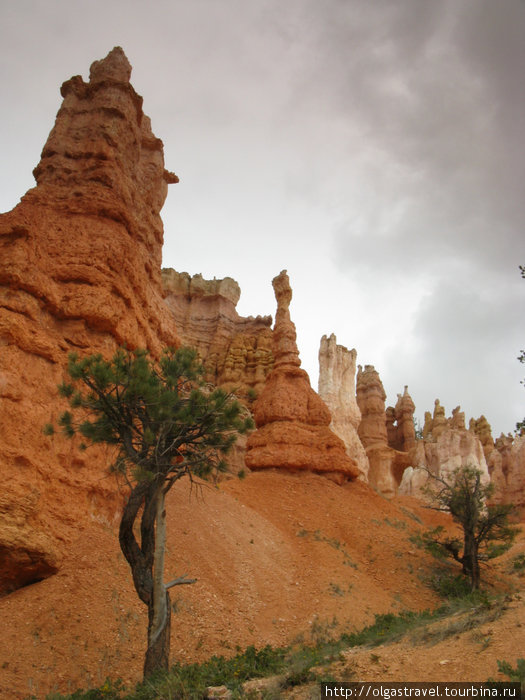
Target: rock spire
pixel 79 270
pixel 337 368
pixel 292 420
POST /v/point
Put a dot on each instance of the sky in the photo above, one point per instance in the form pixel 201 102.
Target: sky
pixel 374 149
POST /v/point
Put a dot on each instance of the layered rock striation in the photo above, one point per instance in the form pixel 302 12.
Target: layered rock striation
pixel 292 421
pixel 236 351
pixel 337 369
pixel 79 270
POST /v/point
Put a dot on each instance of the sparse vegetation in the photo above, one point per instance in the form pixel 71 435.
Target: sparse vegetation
pixel 301 663
pixel 486 532
pixel 318 536
pixel 449 585
pixel 518 564
pixel 515 675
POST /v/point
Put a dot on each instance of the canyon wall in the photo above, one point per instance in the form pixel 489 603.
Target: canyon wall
pixel 80 270
pixel 236 351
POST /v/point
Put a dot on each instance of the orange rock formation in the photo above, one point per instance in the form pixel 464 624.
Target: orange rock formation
pixel 506 463
pixel 80 270
pixel 236 351
pixel 386 464
pixel 292 420
pixel 481 428
pixel 400 426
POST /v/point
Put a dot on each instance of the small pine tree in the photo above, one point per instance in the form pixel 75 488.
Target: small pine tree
pixel 164 424
pixel 486 530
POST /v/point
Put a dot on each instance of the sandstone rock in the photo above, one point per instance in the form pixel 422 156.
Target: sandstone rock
pixel 427 426
pixel 236 351
pixel 506 465
pixel 373 433
pixel 337 368
pixel 457 420
pixel 481 428
pixel 446 447
pixel 400 423
pixel 454 449
pixel 79 270
pixel 371 401
pixel 292 420
pixel 439 421
pixel 391 427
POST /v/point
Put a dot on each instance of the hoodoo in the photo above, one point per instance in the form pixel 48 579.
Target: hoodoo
pixel 292 421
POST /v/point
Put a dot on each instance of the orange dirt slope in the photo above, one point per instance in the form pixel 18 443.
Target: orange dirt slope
pixel 276 556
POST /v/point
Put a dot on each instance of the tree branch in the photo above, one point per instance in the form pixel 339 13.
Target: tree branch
pixel 179 581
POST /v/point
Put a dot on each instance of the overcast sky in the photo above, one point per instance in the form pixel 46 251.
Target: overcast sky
pixel 373 148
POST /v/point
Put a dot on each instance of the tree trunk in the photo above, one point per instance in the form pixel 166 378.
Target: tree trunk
pixel 470 560
pixel 134 554
pixel 159 609
pixel 158 651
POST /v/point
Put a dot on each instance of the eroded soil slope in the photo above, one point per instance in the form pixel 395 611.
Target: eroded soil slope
pixel 276 556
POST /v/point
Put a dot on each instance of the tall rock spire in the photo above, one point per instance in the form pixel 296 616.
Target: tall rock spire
pixel 292 420
pixel 102 158
pixel 337 367
pixel 80 270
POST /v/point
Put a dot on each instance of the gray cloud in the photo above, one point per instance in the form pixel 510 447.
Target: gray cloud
pixel 372 148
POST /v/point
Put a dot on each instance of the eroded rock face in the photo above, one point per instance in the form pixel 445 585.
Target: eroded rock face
pixel 236 351
pixel 292 421
pixel 371 398
pixel 481 428
pixel 337 368
pixel 506 465
pixel 447 446
pixel 400 423
pixel 372 431
pixel 79 270
pixel 385 433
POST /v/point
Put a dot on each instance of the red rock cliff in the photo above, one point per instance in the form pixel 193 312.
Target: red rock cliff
pixel 79 270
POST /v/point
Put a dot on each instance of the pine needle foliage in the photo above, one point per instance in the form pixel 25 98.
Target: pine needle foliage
pixel 485 527
pixel 163 419
pixel 164 423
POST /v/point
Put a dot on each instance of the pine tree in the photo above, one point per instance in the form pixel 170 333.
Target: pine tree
pixel 486 530
pixel 164 423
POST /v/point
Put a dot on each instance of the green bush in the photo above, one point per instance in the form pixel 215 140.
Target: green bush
pixel 449 586
pixel 518 563
pixel 516 675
